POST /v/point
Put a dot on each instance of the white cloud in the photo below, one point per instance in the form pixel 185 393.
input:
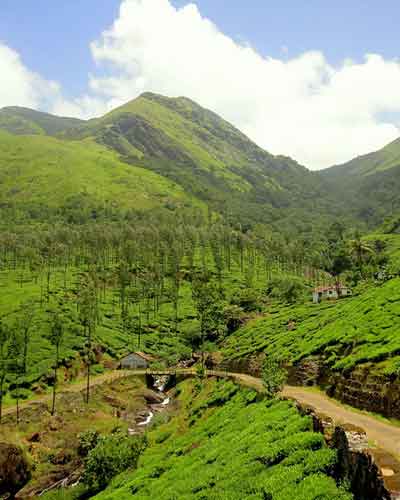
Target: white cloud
pixel 19 86
pixel 301 107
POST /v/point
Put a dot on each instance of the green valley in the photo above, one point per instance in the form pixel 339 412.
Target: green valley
pixel 161 232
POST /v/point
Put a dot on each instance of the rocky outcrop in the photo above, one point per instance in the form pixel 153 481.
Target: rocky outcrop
pixel 250 366
pixel 14 469
pixel 372 474
pixel 152 397
pixel 360 388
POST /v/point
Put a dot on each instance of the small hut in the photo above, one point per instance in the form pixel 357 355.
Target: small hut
pixel 136 361
pixel 330 292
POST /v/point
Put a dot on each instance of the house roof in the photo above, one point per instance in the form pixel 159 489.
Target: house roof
pixel 146 357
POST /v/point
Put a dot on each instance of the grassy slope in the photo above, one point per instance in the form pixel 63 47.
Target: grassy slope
pixel 214 144
pixel 352 331
pixel 59 434
pixel 204 154
pixel 23 121
pixel 346 333
pixel 379 161
pixel 227 446
pixel 45 170
pixel 369 184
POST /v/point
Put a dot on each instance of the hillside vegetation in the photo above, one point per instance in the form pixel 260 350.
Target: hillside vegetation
pixel 214 162
pixel 168 286
pixel 206 156
pixel 25 121
pixel 347 333
pixel 369 184
pixel 227 445
pixel 161 228
pixel 42 177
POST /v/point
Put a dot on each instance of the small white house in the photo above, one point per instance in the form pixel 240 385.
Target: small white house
pixel 136 361
pixel 330 292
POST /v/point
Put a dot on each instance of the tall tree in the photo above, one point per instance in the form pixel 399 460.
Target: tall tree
pixel 360 249
pixel 4 338
pixel 15 351
pixel 56 338
pixel 24 325
pixel 88 314
pixel 210 310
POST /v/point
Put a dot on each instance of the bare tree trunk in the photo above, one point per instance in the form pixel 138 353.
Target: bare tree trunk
pixel 88 383
pixel 88 365
pixel 53 406
pixel 17 384
pixel 1 397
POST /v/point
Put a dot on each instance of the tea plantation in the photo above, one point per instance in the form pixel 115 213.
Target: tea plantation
pixel 226 444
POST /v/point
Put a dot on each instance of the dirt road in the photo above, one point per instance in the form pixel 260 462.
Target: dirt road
pixel 75 387
pixel 384 434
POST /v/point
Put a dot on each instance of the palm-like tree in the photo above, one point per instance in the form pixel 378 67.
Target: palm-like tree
pixel 360 249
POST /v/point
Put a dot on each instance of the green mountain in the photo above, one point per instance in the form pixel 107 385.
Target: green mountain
pixel 368 186
pixel 210 159
pixel 370 164
pixel 216 164
pixel 25 121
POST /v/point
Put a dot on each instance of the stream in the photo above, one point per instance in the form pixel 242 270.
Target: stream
pixel 154 408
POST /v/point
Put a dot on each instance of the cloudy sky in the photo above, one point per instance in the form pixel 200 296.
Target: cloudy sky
pixel 318 81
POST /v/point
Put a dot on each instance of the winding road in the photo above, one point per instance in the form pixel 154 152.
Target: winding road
pixel 380 432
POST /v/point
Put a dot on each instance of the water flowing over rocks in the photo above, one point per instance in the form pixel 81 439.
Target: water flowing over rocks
pixel 157 401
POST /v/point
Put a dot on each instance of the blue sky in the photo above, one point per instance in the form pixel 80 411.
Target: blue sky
pixel 317 80
pixel 53 36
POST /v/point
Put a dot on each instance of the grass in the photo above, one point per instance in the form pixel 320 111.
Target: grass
pixel 25 121
pixel 227 445
pixel 46 171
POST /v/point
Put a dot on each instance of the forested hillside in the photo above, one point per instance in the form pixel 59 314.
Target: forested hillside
pixel 369 185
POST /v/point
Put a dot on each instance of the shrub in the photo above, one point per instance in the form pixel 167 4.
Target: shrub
pixel 20 393
pixel 87 441
pixel 112 455
pixel 234 317
pixel 287 289
pixel 273 376
pixel 248 299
